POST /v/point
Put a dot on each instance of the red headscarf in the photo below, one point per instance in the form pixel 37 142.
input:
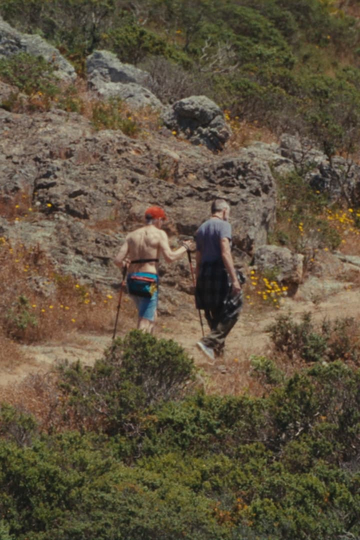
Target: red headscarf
pixel 155 212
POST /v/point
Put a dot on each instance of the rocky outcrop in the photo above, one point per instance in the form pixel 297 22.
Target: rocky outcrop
pixel 287 267
pixel 339 179
pixel 200 120
pixel 14 42
pixel 110 78
pixel 107 66
pixel 249 186
pixel 92 181
pixel 87 189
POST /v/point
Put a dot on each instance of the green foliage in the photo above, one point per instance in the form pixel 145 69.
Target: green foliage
pixel 300 222
pixel 110 115
pixel 19 318
pixel 132 43
pixel 332 341
pixel 203 467
pixel 137 373
pixel 16 425
pixel 266 369
pixel 29 74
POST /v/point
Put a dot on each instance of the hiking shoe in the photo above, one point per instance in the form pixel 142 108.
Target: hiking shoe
pixel 206 350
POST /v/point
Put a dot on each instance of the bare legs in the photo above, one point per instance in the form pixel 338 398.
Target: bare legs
pixel 146 325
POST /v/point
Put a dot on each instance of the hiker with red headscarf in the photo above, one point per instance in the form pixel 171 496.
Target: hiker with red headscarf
pixel 141 252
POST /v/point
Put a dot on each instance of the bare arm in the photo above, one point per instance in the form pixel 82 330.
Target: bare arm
pixel 229 264
pixel 120 259
pixel 168 253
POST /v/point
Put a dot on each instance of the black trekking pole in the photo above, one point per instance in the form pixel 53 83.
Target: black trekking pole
pixel 193 278
pixel 120 296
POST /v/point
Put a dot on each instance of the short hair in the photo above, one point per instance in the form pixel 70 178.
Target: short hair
pixel 218 205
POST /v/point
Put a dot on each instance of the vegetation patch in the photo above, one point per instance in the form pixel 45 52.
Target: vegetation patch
pixel 153 458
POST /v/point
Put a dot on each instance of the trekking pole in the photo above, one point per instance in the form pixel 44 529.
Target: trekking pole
pixel 120 296
pixel 193 278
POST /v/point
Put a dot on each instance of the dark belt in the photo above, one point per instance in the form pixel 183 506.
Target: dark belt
pixel 140 261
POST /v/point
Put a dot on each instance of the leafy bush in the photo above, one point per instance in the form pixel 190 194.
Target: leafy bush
pixel 338 340
pixel 266 369
pixel 202 467
pixel 31 75
pixel 136 374
pixel 300 224
pixel 110 115
pixel 132 43
pixel 19 319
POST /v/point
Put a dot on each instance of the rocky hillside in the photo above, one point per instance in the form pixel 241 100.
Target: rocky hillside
pixel 74 183
pixel 87 188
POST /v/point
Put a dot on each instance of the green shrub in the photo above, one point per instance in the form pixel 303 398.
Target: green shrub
pixel 337 340
pixel 135 374
pixel 300 222
pixel 110 115
pixel 20 319
pixel 203 467
pixel 29 74
pixel 132 43
pixel 266 369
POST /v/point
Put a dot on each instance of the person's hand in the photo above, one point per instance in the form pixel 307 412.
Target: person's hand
pixel 236 288
pixel 189 245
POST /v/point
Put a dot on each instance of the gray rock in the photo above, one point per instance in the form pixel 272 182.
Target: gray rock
pixel 302 152
pixel 339 180
pixel 200 120
pixel 351 259
pixel 107 66
pixel 14 42
pixel 318 290
pixel 250 188
pixel 135 95
pixel 271 154
pixel 110 78
pixel 326 265
pixel 6 90
pixel 288 266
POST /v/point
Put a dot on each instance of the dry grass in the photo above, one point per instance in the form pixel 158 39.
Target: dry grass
pixel 38 304
pixel 37 395
pixel 16 205
pixel 245 133
pixel 11 354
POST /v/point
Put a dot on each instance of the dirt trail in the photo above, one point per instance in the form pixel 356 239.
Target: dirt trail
pixel 247 338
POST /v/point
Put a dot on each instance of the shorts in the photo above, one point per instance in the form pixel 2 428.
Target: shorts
pixel 146 306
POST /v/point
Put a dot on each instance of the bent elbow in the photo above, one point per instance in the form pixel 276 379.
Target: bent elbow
pixel 168 259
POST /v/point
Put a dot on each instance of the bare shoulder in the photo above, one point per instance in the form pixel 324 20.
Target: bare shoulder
pixel 162 236
pixel 135 234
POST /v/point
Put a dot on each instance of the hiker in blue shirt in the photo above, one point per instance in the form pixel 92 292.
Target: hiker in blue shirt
pixel 218 285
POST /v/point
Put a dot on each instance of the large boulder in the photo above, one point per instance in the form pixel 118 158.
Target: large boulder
pixel 14 42
pixel 200 120
pixel 110 78
pixel 338 179
pixel 107 66
pixel 287 266
pixel 250 188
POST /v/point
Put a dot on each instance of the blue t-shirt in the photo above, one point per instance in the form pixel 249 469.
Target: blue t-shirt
pixel 209 236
